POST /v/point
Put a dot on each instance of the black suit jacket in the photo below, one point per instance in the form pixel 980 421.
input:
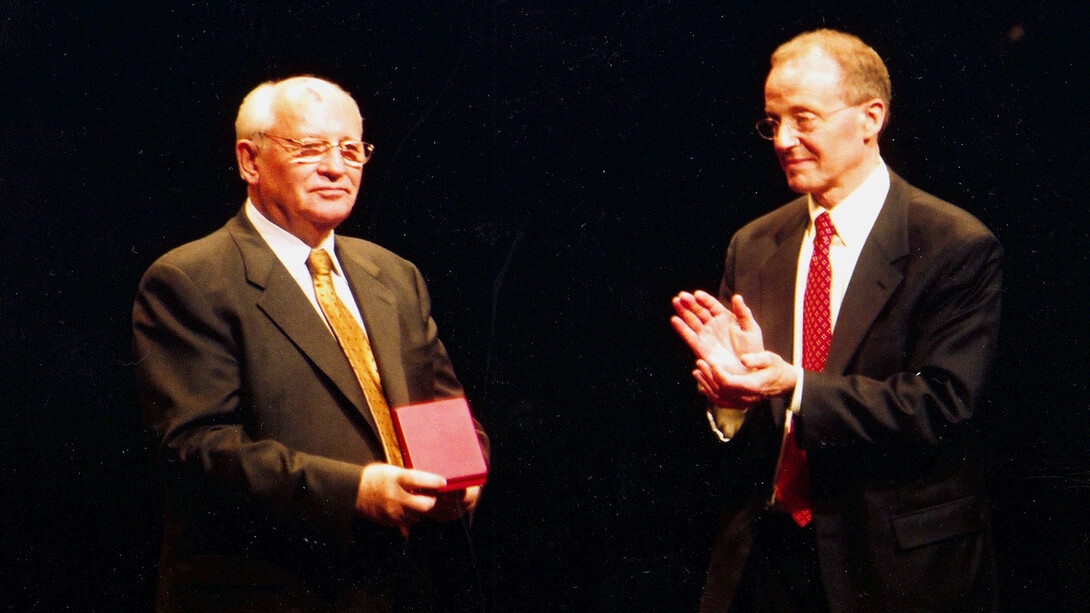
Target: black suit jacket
pixel 896 489
pixel 263 427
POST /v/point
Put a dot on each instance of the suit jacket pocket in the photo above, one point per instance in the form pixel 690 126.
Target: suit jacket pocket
pixel 933 524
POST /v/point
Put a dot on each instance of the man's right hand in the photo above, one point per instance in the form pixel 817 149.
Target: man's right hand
pixel 396 497
pixel 720 337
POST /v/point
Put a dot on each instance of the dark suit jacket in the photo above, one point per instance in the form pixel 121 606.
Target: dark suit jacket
pixel 263 427
pixel 897 497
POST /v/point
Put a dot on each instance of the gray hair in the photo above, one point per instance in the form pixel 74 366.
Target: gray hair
pixel 257 113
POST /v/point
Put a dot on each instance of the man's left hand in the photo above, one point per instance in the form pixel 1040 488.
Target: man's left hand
pixel 768 376
pixel 452 505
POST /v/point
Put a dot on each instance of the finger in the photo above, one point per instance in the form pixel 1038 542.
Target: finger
pixel 694 315
pixel 738 338
pixel 684 302
pixel 698 307
pixel 690 337
pixel 690 319
pixel 707 393
pixel 414 480
pixel 709 302
pixel 681 298
pixel 704 374
pixel 702 382
pixel 416 505
pixel 473 494
pixel 679 306
pixel 743 313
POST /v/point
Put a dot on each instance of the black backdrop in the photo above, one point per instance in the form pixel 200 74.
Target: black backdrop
pixel 558 171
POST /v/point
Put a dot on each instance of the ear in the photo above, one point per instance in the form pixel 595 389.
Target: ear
pixel 875 117
pixel 246 154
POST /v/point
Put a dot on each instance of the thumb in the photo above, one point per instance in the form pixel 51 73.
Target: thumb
pixel 758 360
pixel 743 313
pixel 421 480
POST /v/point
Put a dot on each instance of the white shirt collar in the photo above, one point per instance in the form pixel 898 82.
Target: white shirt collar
pixel 293 254
pixel 854 216
pixel 288 247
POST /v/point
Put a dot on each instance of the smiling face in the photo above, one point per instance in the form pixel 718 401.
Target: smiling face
pixel 833 158
pixel 308 200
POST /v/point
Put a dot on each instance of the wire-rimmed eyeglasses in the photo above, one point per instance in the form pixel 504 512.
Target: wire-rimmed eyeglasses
pixel 800 123
pixel 355 153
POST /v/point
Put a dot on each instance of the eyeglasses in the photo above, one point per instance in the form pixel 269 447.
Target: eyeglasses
pixel 355 153
pixel 800 123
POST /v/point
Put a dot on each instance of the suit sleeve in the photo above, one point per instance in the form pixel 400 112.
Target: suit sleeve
pixel 921 373
pixel 190 388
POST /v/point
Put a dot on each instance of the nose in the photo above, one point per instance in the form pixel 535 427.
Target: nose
pixel 332 163
pixel 785 136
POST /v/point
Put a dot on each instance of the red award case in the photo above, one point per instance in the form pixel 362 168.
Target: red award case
pixel 439 437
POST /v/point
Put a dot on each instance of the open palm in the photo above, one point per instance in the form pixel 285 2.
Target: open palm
pixel 716 334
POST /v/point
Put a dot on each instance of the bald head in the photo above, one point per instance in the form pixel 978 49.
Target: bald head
pixel 863 75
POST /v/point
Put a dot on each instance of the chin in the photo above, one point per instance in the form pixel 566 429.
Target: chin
pixel 331 214
pixel 800 185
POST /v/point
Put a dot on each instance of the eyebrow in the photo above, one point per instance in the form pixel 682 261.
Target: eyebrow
pixel 308 137
pixel 794 110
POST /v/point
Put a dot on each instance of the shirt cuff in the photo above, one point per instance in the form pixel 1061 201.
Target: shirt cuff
pixel 796 396
pixel 725 421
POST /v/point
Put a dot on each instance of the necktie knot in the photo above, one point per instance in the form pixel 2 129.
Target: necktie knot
pixel 319 263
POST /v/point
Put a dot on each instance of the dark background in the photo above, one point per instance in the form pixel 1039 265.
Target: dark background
pixel 558 171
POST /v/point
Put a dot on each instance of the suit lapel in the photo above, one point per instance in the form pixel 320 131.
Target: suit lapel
pixel 286 305
pixel 874 279
pixel 378 307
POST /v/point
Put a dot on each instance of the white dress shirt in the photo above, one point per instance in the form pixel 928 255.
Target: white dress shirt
pixel 852 219
pixel 293 253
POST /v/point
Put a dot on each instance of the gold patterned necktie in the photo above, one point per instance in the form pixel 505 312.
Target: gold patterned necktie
pixel 356 348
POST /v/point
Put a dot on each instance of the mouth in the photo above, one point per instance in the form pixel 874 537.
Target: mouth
pixel 331 192
pixel 789 163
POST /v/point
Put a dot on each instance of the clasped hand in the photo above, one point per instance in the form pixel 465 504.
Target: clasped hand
pixel 732 367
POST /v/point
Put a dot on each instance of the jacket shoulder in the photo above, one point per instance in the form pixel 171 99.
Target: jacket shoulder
pixel 936 222
pixel 374 257
pixel 775 222
pixel 374 251
pixel 213 255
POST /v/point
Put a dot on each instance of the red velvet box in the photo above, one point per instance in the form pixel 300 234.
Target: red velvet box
pixel 439 437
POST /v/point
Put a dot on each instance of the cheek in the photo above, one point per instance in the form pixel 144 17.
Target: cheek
pixel 813 146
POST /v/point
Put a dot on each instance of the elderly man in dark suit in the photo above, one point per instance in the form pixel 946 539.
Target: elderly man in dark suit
pixel 844 362
pixel 284 490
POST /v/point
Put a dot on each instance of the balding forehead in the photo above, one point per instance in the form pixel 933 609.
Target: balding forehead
pixel 302 91
pixel 815 63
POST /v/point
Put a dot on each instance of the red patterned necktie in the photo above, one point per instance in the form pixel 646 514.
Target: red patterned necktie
pixel 793 482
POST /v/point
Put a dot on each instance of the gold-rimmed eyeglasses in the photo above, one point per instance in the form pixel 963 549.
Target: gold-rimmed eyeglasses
pixel 355 153
pixel 803 122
